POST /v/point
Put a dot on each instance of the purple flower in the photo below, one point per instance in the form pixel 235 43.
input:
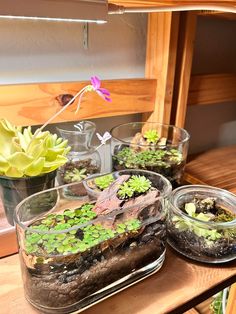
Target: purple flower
pixel 103 92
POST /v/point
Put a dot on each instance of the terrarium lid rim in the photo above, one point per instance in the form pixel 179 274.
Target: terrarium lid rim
pixel 187 135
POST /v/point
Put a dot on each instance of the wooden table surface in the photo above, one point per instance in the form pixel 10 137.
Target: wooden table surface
pixel 178 286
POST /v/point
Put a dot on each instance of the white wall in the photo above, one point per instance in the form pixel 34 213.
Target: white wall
pixel 36 51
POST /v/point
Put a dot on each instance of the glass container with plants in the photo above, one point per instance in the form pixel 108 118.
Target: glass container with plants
pixel 202 223
pixel 151 146
pixel 83 159
pixel 81 250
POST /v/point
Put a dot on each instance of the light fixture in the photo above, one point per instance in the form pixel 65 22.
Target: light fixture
pixel 57 10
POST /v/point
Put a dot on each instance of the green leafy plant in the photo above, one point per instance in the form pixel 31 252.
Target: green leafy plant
pixel 184 224
pixel 24 154
pixel 104 181
pixel 77 240
pixel 134 186
pixel 151 136
pixel 75 175
pixel 149 158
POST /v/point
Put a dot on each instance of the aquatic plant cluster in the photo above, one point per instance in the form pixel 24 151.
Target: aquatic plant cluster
pixel 75 239
pixel 148 158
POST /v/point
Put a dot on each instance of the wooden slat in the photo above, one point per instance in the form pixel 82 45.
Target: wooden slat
pixel 179 285
pixel 222 5
pixel 187 32
pixel 212 89
pixel 32 104
pixel 161 60
pixel 231 304
pixel 216 167
pixel 218 14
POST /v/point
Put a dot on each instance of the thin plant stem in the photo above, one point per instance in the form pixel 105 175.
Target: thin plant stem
pixel 82 91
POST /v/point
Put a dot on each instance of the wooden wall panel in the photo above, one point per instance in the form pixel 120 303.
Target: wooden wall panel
pixel 32 104
pixel 212 89
pixel 188 21
pixel 161 60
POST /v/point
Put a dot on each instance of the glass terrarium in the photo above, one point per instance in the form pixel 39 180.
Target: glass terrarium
pixel 74 252
pixel 83 159
pixel 202 223
pixel 151 146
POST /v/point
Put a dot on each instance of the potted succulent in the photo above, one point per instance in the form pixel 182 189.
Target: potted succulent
pixel 202 223
pixel 28 162
pixel 151 146
pixel 84 250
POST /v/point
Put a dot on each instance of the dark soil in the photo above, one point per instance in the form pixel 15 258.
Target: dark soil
pixel 199 247
pixel 191 245
pixel 67 280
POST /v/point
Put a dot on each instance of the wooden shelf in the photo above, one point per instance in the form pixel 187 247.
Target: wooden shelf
pixel 177 287
pixel 216 167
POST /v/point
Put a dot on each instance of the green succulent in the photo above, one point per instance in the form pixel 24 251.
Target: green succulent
pixel 75 175
pixel 104 181
pixel 24 154
pixel 139 184
pixel 134 186
pixel 151 136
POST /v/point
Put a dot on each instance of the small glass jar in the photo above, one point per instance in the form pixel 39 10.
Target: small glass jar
pixel 204 241
pixel 83 159
pixel 164 152
pixel 77 252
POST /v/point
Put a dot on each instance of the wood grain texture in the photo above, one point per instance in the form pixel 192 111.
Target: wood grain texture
pixel 8 242
pixel 174 289
pixel 223 5
pixel 212 89
pixel 231 304
pixel 32 104
pixel 188 21
pixel 161 52
pixel 218 14
pixel 215 167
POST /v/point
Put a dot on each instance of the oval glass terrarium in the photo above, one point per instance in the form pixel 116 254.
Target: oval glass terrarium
pixel 202 223
pixel 76 252
pixel 83 158
pixel 150 146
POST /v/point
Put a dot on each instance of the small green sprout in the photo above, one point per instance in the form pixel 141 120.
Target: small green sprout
pixel 151 136
pixel 140 184
pixel 125 191
pixel 103 182
pixel 134 186
pixel 76 175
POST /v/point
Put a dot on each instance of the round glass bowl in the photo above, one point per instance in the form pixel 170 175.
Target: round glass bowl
pixel 150 146
pixel 203 235
pixel 76 252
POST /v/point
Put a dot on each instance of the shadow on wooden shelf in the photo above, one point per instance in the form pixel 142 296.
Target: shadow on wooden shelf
pixel 7 235
pixel 216 167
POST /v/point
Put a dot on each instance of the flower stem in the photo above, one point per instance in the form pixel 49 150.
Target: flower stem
pixel 81 92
